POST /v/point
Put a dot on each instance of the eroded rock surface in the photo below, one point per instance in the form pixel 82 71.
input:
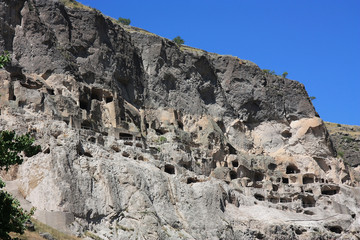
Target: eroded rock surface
pixel 142 138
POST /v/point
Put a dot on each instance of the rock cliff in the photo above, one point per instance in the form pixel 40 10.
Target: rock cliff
pixel 145 139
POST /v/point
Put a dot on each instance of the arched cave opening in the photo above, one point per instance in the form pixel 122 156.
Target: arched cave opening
pixel 291 168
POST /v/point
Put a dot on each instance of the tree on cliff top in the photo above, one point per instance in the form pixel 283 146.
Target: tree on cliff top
pixel 12 216
pixel 125 21
pixel 178 40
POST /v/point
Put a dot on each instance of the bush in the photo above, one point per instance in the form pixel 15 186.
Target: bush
pixel 268 71
pixel 125 21
pixel 12 216
pixel 162 139
pixel 4 59
pixel 312 98
pixel 178 40
pixel 285 74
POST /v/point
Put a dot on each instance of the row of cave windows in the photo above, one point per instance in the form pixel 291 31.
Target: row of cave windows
pixel 307 201
pixel 258 176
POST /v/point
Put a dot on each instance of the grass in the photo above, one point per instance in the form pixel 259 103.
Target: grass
pixel 192 49
pixel 43 228
pixel 132 29
pixel 344 129
pixel 93 236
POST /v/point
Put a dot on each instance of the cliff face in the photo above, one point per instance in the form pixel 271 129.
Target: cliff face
pixel 142 138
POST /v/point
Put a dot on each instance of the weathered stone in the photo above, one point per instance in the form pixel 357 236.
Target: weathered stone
pixel 142 138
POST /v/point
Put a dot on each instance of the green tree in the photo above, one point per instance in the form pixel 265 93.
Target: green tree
pixel 312 98
pixel 268 71
pixel 12 149
pixel 178 40
pixel 4 59
pixel 285 74
pixel 125 21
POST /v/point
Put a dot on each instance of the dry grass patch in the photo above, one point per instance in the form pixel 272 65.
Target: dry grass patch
pixel 352 130
pixel 75 4
pixel 43 228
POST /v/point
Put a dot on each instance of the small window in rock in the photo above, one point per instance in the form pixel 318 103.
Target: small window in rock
pixel 128 143
pixel 192 180
pixel 307 212
pixel 259 197
pixel 286 134
pixel 92 139
pixel 259 235
pixel 329 190
pixel 200 128
pixel 21 104
pixel 232 150
pixel 221 125
pixel 272 166
pixel 50 91
pixel 285 200
pixel 47 150
pixel 125 136
pixel 235 163
pixel 170 169
pixel 96 94
pixel 285 180
pixel 292 169
pixel 335 229
pixel 308 179
pixel 125 154
pixel 86 124
pixel 84 104
pixel 275 187
pixel 233 175
pixel 109 99
pixel 258 176
pixel 115 148
pixel 181 125
pixel 139 145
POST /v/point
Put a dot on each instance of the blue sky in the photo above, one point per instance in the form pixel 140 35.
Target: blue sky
pixel 316 41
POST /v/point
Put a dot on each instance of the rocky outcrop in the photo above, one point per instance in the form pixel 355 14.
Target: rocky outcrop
pixel 142 138
pixel 346 139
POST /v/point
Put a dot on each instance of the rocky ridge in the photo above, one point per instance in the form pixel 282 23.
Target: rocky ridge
pixel 142 138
